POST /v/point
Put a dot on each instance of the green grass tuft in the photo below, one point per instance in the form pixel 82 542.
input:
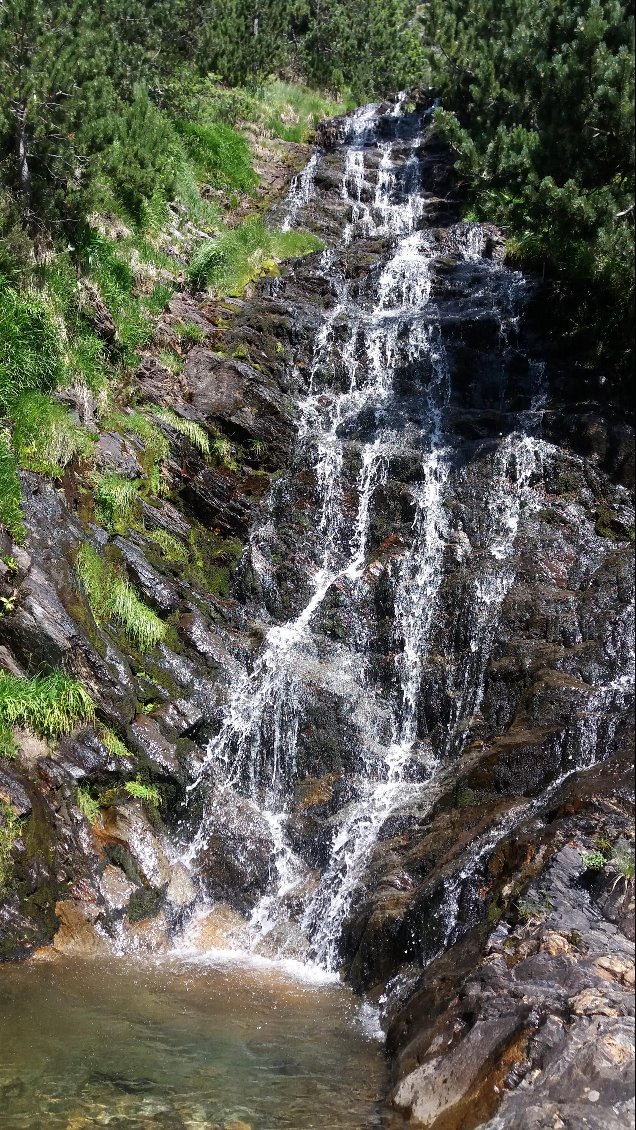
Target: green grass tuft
pixel 88 806
pixel 148 794
pixel 30 346
pixel 10 491
pixel 242 254
pixel 171 548
pixel 116 499
pixel 45 436
pixel 51 705
pixel 113 744
pixel 192 431
pixel 112 598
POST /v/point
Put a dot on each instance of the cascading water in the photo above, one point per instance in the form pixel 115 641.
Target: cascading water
pixel 379 388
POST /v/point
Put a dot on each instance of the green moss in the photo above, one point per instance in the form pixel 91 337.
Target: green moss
pixel 9 834
pixel 145 903
pixel 465 798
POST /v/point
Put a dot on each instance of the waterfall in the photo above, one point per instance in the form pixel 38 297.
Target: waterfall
pixel 379 387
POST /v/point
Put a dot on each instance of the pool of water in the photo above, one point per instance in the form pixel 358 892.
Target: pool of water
pixel 129 1043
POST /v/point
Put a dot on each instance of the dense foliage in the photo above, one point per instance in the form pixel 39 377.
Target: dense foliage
pixel 538 103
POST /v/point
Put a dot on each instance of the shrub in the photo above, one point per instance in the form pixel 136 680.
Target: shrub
pixel 112 598
pixel 30 348
pixel 10 491
pixel 51 705
pixel 45 435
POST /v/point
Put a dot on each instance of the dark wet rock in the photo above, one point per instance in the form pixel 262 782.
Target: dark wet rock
pixel 157 751
pixel 157 592
pixel 234 861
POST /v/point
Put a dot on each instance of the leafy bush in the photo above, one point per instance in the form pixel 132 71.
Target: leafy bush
pixel 51 705
pixel 112 598
pixel 45 435
pixel 10 491
pixel 30 347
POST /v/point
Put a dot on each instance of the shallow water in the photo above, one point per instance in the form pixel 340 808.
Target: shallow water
pixel 139 1043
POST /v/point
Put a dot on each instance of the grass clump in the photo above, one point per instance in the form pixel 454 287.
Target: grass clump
pixel 112 598
pixel 10 491
pixel 45 436
pixel 219 153
pixel 113 744
pixel 292 112
pixel 188 333
pixel 9 833
pixel 51 705
pixel 148 794
pixel 88 806
pixel 192 431
pixel 8 747
pixel 30 347
pixel 116 499
pixel 171 548
pixel 240 255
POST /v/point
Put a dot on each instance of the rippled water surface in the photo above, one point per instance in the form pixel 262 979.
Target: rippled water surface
pixel 143 1044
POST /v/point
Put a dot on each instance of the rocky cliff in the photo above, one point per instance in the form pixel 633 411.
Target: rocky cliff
pixel 386 715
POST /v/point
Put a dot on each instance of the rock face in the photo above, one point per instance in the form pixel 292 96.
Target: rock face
pixel 389 719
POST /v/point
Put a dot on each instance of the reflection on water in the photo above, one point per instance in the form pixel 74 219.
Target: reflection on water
pixel 132 1044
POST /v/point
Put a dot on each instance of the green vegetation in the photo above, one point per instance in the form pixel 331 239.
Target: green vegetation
pixel 238 256
pixel 192 431
pixel 9 834
pixel 51 705
pixel 116 499
pixel 172 549
pixel 30 347
pixel 113 744
pixel 148 794
pixel 593 860
pixel 112 598
pixel 538 105
pixel 88 806
pixel 45 435
pixel 10 491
